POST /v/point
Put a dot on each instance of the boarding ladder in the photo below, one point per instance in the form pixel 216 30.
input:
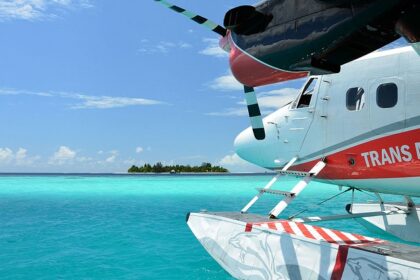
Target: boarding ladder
pixel 288 196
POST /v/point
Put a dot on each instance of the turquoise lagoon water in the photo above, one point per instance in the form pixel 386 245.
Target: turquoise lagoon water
pixel 127 227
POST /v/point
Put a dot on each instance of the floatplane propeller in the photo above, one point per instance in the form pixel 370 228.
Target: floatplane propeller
pixel 254 111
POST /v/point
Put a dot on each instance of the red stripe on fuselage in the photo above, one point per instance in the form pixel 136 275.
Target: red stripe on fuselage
pixel 395 156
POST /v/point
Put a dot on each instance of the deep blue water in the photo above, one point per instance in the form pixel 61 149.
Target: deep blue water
pixel 128 227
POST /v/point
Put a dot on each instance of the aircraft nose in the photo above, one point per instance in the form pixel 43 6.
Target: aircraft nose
pixel 276 150
pixel 243 143
pixel 252 150
pixel 270 153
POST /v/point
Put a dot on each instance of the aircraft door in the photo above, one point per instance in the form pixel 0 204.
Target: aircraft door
pixel 300 116
pixel 348 112
pixel 322 112
pixel 387 99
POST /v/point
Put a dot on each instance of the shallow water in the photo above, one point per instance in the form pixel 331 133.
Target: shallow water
pixel 128 227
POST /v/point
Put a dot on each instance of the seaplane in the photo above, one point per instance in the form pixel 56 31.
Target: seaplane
pixel 354 124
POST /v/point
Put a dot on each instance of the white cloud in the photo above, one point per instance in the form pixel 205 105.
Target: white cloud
pixel 235 164
pixel 37 9
pixel 84 159
pixel 88 101
pixel 139 150
pixel 62 156
pixel 213 48
pixel 20 158
pixel 226 83
pixel 130 161
pixel 268 101
pixel 275 99
pixel 11 91
pixel 108 102
pixel 21 154
pixel 184 45
pixel 6 155
pixel 85 3
pixel 112 157
pixel 147 47
pixel 230 112
pixel 233 159
pixel 64 159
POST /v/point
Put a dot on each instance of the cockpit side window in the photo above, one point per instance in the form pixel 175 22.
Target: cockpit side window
pixel 304 99
pixel 355 99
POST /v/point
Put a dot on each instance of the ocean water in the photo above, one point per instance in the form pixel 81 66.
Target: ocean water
pixel 129 227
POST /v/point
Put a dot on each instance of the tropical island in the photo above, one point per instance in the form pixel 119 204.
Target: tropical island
pixel 205 167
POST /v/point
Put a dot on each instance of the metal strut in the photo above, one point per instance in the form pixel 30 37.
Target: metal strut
pixel 314 219
pixel 293 217
pixel 393 211
pixel 299 187
pixel 268 186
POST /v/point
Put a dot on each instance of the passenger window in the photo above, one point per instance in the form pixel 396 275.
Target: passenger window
pixel 305 97
pixel 387 95
pixel 355 99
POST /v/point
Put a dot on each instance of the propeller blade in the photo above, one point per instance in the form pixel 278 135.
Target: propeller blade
pixel 254 113
pixel 197 18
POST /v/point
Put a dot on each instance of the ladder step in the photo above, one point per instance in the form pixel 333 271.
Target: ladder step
pixel 268 186
pixel 313 172
pixel 294 173
pixel 277 192
pixel 297 189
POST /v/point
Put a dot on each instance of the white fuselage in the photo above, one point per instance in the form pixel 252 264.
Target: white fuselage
pixel 364 120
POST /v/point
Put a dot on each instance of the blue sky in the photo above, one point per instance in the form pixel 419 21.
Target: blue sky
pixel 95 86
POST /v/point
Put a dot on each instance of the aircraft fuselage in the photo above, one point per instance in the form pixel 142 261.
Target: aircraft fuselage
pixel 365 121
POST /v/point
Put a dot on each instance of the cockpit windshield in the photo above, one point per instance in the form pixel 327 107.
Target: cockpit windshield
pixel 304 99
